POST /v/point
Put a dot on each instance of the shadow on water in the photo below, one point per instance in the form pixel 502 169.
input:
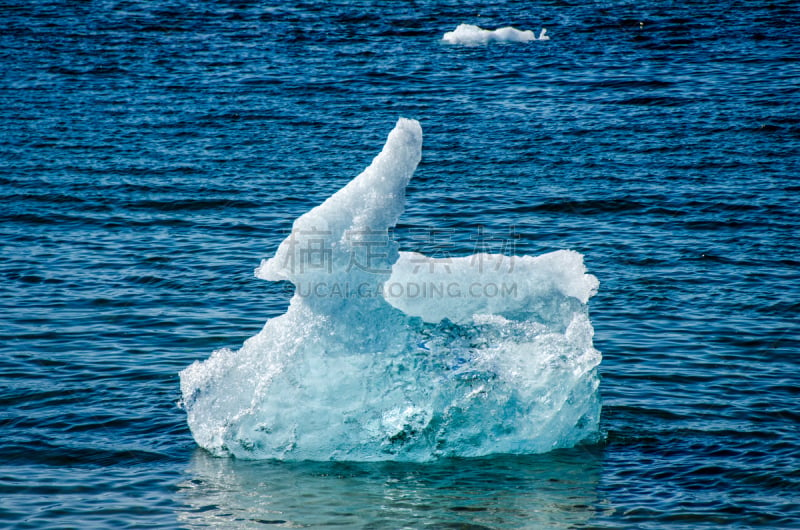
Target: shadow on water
pixel 554 490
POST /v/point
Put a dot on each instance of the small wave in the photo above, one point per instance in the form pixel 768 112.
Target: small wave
pixel 167 204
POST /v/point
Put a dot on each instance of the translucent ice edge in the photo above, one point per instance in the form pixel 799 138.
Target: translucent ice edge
pixel 473 35
pixel 388 355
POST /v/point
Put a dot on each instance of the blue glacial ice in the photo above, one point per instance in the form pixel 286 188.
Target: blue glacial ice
pixel 471 35
pixel 389 355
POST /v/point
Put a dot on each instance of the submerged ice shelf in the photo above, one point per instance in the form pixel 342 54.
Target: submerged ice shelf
pixel 389 355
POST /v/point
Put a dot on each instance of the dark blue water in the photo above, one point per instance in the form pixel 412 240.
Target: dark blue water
pixel 151 154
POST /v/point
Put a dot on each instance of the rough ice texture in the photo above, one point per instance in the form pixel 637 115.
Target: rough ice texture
pixel 387 355
pixel 487 284
pixel 473 35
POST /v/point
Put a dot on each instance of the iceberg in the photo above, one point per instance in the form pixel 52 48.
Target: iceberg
pixel 470 34
pixel 390 355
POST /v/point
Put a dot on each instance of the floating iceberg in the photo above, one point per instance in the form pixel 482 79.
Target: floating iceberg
pixel 472 35
pixel 389 355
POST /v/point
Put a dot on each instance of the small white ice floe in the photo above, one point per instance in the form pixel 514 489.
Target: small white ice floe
pixel 472 35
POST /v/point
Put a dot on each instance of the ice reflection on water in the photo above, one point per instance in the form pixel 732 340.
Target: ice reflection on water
pixel 553 490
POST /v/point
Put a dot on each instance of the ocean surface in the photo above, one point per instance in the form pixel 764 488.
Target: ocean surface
pixel 153 153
